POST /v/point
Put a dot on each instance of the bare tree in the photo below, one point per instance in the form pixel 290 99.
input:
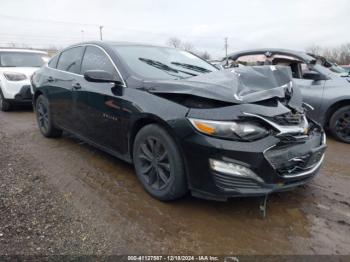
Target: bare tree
pixel 174 42
pixel 205 55
pixel 339 54
pixel 178 43
pixel 187 46
pixel 314 49
pixel 344 54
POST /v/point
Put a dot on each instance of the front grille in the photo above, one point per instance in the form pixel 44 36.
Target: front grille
pixel 288 119
pixel 229 182
pixel 289 159
pixel 307 162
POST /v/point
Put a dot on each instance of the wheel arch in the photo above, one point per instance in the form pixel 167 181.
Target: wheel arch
pixel 333 108
pixel 35 97
pixel 152 119
pixel 144 121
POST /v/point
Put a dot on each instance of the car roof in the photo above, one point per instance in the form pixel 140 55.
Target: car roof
pixel 115 43
pixel 299 54
pixel 22 50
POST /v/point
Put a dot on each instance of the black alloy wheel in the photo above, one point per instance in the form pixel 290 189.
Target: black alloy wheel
pixel 43 116
pixel 158 163
pixel 155 163
pixel 340 124
pixel 44 120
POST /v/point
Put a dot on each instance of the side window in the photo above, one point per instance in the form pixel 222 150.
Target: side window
pixel 306 71
pixel 70 60
pixel 53 61
pixel 96 59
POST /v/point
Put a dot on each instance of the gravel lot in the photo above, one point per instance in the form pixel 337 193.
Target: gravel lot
pixel 61 196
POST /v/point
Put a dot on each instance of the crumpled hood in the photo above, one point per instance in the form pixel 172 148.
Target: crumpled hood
pixel 239 85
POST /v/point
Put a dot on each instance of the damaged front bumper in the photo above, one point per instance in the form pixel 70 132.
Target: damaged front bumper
pixel 272 164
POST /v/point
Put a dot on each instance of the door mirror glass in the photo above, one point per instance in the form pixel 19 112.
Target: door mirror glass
pixel 101 76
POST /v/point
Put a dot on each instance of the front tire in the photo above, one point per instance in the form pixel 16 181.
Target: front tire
pixel 339 124
pixel 158 163
pixel 44 119
pixel 4 103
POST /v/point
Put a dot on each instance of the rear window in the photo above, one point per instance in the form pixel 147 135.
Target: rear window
pixel 22 59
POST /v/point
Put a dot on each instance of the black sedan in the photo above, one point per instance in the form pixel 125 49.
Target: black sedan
pixel 185 125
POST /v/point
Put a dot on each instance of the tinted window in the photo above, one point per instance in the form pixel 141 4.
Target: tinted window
pixel 53 61
pixel 163 62
pixel 22 59
pixel 96 59
pixel 70 60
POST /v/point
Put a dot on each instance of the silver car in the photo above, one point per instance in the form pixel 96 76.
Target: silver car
pixel 326 93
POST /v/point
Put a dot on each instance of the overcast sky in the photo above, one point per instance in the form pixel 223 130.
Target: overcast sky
pixel 205 23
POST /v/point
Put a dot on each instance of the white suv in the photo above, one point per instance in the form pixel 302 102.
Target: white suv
pixel 16 68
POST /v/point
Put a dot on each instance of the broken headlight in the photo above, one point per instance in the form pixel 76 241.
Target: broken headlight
pixel 236 130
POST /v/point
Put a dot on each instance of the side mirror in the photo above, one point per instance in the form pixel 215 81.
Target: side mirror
pixel 313 75
pixel 101 76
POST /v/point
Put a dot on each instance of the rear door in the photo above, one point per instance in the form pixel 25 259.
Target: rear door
pixel 63 82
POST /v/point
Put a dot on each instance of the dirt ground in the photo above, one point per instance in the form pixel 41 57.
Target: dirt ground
pixel 61 196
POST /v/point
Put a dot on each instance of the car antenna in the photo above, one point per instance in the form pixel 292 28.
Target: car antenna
pixel 263 206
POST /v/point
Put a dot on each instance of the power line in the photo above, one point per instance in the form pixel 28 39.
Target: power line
pixel 45 20
pixel 108 26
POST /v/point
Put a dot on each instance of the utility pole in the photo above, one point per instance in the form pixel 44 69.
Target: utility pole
pixel 226 46
pixel 101 32
pixel 82 35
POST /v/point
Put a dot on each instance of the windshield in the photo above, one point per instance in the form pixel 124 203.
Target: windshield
pixel 337 69
pixel 22 59
pixel 163 62
pixel 323 70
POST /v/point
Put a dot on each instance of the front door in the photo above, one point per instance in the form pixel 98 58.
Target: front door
pixel 99 105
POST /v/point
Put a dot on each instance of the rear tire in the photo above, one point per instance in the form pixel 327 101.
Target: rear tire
pixel 4 103
pixel 339 124
pixel 44 119
pixel 158 163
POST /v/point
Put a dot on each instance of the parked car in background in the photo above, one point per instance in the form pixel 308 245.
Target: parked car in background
pixel 325 91
pixel 330 65
pixel 16 68
pixel 346 68
pixel 184 124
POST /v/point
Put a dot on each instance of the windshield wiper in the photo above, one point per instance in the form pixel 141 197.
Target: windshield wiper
pixel 164 67
pixel 192 67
